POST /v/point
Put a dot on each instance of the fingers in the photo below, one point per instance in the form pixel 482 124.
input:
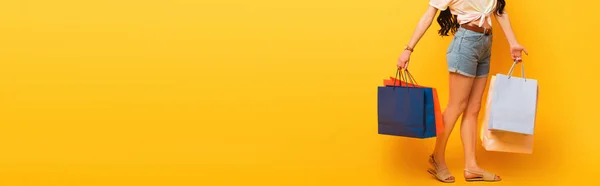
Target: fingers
pixel 402 64
pixel 519 59
pixel 516 57
pixel 402 67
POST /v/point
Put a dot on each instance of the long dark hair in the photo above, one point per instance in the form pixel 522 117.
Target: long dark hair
pixel 449 22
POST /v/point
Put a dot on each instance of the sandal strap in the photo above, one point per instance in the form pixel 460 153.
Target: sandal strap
pixel 485 175
pixel 435 165
pixel 432 160
pixel 443 174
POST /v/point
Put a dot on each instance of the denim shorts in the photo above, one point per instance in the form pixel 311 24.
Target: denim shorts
pixel 469 53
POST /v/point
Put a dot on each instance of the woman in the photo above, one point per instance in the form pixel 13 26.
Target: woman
pixel 468 59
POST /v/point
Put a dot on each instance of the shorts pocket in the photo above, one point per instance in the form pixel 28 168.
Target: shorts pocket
pixel 473 37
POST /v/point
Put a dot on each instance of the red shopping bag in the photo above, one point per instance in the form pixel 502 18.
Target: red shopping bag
pixel 439 121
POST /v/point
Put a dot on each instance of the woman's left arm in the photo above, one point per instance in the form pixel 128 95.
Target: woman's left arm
pixel 515 48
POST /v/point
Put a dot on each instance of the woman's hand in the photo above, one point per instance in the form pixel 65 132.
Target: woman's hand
pixel 404 59
pixel 516 51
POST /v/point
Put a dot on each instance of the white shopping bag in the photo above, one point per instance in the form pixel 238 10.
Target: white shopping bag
pixel 502 141
pixel 514 103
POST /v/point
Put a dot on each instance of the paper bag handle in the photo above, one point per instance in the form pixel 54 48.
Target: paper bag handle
pixel 412 79
pixel 406 76
pixel 513 67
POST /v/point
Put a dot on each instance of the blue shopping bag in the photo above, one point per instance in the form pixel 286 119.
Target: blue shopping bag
pixel 406 110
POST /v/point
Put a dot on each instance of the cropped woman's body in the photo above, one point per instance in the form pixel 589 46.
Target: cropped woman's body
pixel 468 59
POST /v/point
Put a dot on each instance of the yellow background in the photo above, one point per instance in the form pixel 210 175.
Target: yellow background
pixel 265 92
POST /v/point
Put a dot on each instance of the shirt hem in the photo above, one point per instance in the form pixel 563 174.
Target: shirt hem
pixel 438 6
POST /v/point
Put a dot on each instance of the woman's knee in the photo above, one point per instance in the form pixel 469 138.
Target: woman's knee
pixel 472 110
pixel 458 106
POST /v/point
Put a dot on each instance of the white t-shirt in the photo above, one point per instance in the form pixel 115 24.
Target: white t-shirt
pixel 468 10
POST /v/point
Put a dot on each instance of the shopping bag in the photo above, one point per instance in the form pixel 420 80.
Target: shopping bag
pixel 514 103
pixel 439 121
pixel 501 141
pixel 403 111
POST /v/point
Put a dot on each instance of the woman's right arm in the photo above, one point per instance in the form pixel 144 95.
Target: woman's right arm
pixel 422 27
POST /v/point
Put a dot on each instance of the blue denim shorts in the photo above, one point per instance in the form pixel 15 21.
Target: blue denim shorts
pixel 469 53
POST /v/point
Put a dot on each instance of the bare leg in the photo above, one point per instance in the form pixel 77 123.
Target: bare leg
pixel 460 88
pixel 468 126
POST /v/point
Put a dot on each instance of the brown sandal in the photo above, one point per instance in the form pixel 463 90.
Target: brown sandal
pixel 442 175
pixel 483 176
